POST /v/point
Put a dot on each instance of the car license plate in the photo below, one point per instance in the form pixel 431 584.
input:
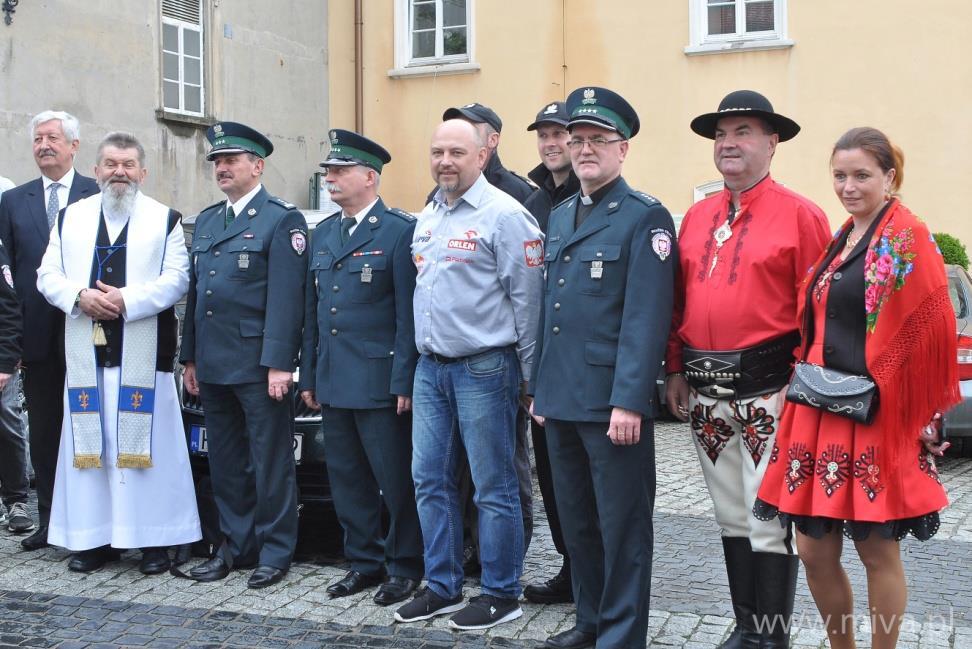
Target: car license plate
pixel 199 442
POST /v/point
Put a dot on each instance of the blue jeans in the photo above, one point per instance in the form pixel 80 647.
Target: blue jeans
pixel 471 402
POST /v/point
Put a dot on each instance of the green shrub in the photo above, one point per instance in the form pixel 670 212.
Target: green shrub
pixel 952 249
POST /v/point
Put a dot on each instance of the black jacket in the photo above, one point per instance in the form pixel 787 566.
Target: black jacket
pixel 10 321
pixel 542 201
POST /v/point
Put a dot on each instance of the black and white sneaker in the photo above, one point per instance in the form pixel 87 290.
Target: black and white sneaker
pixel 427 604
pixel 19 521
pixel 485 611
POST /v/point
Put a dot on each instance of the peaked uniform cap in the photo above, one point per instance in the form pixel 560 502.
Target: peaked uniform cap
pixel 349 148
pixel 233 137
pixel 604 108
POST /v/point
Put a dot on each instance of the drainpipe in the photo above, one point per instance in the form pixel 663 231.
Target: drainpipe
pixel 358 68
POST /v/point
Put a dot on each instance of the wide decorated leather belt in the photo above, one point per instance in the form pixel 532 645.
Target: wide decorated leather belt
pixel 741 373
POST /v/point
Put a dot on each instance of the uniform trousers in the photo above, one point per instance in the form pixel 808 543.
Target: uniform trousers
pixel 251 462
pixel 734 440
pixel 13 444
pixel 44 390
pixel 369 450
pixel 605 494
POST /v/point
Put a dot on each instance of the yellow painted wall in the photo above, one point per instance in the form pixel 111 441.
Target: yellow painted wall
pixel 901 67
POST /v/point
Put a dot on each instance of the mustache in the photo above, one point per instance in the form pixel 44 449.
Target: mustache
pixel 47 153
pixel 332 188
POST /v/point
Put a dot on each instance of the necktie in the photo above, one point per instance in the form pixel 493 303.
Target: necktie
pixel 228 219
pixel 53 205
pixel 347 223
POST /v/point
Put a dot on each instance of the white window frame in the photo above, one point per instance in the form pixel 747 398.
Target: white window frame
pixel 701 42
pixel 182 25
pixel 408 66
pixel 707 189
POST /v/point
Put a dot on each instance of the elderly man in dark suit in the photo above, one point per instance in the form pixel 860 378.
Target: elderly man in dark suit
pixel 358 360
pixel 27 213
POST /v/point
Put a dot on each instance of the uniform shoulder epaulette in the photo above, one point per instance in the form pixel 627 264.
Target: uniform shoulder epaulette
pixel 647 199
pixel 214 205
pixel 402 214
pixel 282 203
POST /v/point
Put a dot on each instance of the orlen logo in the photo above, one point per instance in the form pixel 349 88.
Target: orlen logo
pixel 462 244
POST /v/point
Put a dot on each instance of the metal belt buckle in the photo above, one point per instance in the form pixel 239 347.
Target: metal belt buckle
pixel 716 391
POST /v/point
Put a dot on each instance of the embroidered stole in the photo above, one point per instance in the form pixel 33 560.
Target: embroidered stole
pixel 144 251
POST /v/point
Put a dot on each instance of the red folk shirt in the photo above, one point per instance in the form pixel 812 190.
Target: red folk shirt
pixel 750 295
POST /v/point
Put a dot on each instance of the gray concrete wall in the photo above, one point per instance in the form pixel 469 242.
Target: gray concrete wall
pixel 266 66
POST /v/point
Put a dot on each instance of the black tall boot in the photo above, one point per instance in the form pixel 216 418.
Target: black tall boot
pixel 776 577
pixel 740 567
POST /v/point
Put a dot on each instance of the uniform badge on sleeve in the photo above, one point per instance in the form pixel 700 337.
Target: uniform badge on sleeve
pixel 661 243
pixel 7 275
pixel 298 241
pixel 533 251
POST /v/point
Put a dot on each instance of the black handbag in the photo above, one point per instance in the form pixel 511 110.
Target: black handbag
pixel 840 393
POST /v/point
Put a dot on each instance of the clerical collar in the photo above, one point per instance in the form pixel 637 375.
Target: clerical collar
pixel 599 193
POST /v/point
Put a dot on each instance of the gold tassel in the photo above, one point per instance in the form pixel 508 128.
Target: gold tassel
pixel 132 461
pixel 87 461
pixel 99 335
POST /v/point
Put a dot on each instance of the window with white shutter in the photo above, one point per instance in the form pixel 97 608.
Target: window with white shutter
pixel 183 88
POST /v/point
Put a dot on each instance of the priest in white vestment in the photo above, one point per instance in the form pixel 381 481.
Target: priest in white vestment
pixel 116 264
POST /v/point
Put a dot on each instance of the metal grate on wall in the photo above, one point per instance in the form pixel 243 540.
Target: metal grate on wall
pixel 185 10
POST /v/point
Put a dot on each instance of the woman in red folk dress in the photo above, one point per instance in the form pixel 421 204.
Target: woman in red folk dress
pixel 876 304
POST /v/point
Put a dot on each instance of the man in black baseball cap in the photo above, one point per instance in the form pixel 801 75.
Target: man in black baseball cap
pixel 556 181
pixel 488 125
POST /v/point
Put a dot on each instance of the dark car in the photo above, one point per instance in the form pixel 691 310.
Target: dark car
pixel 957 422
pixel 314 500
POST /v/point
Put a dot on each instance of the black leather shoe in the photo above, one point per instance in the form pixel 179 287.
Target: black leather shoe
pixel 155 561
pixel 265 576
pixel 353 582
pixel 569 639
pixel 37 540
pixel 396 589
pixel 93 559
pixel 212 570
pixel 554 591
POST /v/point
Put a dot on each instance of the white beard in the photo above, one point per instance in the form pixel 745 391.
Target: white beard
pixel 118 202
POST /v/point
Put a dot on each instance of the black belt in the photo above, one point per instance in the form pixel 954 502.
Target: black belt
pixel 445 360
pixel 741 373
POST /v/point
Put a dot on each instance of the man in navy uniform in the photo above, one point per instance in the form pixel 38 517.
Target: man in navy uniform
pixel 358 360
pixel 610 269
pixel 27 214
pixel 244 315
pixel 557 182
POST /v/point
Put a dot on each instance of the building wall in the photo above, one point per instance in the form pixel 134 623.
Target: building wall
pixel 886 63
pixel 100 61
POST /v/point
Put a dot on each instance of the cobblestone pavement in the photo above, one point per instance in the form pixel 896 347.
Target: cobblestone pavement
pixel 42 604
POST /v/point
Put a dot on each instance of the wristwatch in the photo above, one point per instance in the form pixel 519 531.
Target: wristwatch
pixel 77 300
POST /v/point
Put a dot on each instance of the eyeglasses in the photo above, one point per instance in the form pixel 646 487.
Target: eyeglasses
pixel 595 142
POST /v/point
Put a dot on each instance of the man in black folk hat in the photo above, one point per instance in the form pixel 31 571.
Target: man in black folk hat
pixel 358 361
pixel 489 126
pixel 743 252
pixel 557 182
pixel 610 268
pixel 240 346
